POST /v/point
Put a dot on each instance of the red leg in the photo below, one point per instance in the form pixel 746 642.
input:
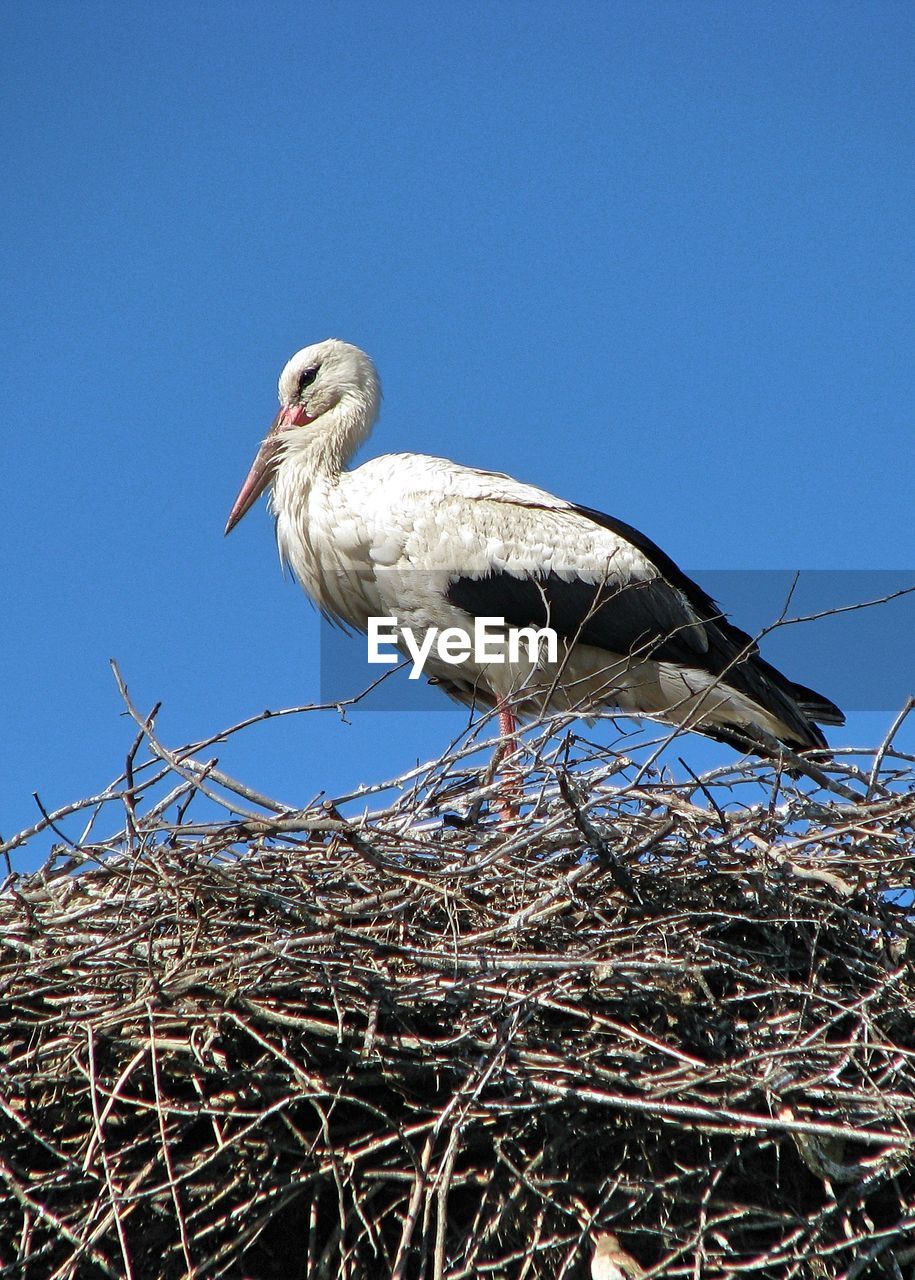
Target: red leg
pixel 511 786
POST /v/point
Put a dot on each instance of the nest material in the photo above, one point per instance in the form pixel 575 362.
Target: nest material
pixel 414 1045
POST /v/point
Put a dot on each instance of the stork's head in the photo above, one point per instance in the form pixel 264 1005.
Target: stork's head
pixel 330 389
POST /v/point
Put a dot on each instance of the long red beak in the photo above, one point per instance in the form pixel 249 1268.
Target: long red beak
pixel 264 464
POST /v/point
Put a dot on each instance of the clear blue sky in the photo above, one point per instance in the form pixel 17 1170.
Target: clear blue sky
pixel 655 256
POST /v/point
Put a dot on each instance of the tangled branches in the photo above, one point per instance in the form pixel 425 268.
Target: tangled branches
pixel 421 1043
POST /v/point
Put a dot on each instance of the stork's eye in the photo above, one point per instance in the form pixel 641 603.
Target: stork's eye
pixel 307 378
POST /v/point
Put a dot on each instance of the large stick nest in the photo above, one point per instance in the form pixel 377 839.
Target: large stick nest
pixel 424 1042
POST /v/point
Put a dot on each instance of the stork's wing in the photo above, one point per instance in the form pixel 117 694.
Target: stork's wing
pixel 651 610
pixel 626 603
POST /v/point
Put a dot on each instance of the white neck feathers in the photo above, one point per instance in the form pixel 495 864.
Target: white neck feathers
pixel 324 447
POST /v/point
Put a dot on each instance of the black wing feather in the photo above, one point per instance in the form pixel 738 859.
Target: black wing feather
pixel 645 617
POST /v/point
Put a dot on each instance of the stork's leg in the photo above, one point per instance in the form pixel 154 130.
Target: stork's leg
pixel 510 789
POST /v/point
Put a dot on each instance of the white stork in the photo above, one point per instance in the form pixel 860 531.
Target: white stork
pixel 436 544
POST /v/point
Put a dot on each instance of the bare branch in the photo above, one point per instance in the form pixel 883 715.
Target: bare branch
pixel 673 1008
